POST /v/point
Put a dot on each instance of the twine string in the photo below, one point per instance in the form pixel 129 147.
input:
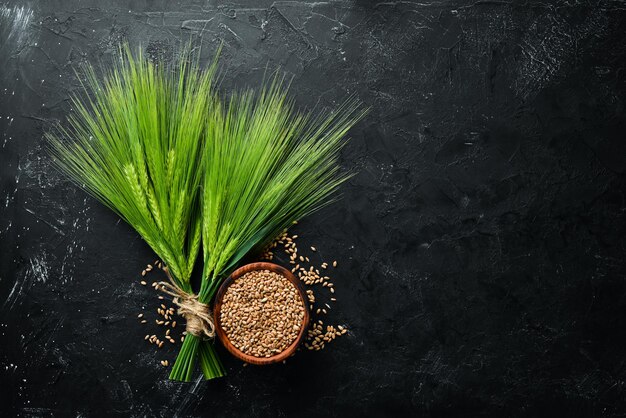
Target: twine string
pixel 197 314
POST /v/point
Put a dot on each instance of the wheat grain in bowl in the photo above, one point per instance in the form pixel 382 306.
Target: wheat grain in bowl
pixel 262 313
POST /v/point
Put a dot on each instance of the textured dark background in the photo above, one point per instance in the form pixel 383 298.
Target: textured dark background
pixel 481 245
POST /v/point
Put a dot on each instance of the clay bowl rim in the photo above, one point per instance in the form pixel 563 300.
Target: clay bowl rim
pixel 218 306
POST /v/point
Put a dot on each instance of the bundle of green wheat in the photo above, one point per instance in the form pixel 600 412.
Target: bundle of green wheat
pixel 185 168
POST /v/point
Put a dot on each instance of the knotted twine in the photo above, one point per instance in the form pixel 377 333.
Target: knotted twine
pixel 197 314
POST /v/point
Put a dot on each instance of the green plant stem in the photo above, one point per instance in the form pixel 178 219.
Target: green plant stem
pixel 194 348
pixel 210 363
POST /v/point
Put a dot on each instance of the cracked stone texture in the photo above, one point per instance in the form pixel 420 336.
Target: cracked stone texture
pixel 481 244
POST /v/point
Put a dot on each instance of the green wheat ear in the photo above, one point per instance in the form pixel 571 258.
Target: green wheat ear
pixel 136 141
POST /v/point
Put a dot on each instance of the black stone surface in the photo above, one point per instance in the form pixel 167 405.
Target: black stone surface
pixel 481 245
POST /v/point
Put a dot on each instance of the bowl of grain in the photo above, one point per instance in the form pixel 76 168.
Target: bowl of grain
pixel 260 313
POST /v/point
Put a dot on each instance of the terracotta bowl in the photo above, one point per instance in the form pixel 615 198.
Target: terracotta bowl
pixel 218 306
